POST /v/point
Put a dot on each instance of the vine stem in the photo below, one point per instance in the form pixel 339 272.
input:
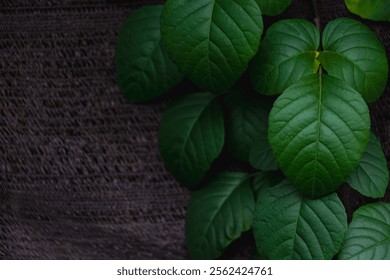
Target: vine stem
pixel 317 18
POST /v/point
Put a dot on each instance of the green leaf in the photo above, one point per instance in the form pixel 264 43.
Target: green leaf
pixel 273 7
pixel 246 121
pixel 287 53
pixel 191 136
pixel 265 180
pixel 368 235
pixel 261 156
pixel 318 130
pixel 370 9
pixel 290 226
pixel 371 177
pixel 218 214
pixel 353 53
pixel 212 41
pixel 143 68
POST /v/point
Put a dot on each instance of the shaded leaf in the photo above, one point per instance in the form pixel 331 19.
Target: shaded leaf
pixel 370 9
pixel 273 7
pixel 261 156
pixel 265 180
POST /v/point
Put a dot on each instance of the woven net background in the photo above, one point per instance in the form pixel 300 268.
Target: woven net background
pixel 80 172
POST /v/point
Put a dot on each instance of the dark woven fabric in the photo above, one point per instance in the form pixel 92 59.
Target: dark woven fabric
pixel 80 172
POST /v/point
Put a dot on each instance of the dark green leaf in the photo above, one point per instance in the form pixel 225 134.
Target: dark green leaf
pixel 371 177
pixel 290 226
pixel 368 235
pixel 370 9
pixel 143 67
pixel 287 53
pixel 353 53
pixel 318 130
pixel 273 7
pixel 212 41
pixel 261 156
pixel 191 136
pixel 218 214
pixel 246 122
pixel 265 180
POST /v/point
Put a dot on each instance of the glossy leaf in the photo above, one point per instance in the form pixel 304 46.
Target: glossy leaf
pixel 143 68
pixel 368 235
pixel 191 136
pixel 287 53
pixel 218 214
pixel 261 156
pixel 370 9
pixel 290 226
pixel 273 7
pixel 318 130
pixel 212 41
pixel 246 122
pixel 371 177
pixel 353 53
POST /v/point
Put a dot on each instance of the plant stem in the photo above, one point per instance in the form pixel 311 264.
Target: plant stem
pixel 317 18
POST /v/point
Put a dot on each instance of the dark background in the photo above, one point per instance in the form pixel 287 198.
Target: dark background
pixel 80 172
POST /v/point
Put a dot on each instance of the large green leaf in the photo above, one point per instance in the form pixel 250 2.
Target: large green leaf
pixel 143 68
pixel 246 122
pixel 370 9
pixel 287 53
pixel 290 226
pixel 371 177
pixel 261 156
pixel 212 41
pixel 353 53
pixel 318 130
pixel 191 136
pixel 368 235
pixel 273 7
pixel 218 214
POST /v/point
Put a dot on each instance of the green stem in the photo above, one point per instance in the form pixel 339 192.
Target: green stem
pixel 317 18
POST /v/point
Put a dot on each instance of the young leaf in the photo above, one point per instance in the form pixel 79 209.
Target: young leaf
pixel 370 9
pixel 353 53
pixel 212 41
pixel 273 7
pixel 191 136
pixel 289 226
pixel 318 130
pixel 261 156
pixel 371 177
pixel 218 214
pixel 247 119
pixel 143 68
pixel 287 53
pixel 368 235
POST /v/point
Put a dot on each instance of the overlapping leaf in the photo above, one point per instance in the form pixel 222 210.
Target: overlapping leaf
pixel 368 235
pixel 353 53
pixel 273 7
pixel 370 9
pixel 191 136
pixel 143 67
pixel 261 156
pixel 318 130
pixel 246 122
pixel 212 41
pixel 287 53
pixel 290 226
pixel 372 175
pixel 218 214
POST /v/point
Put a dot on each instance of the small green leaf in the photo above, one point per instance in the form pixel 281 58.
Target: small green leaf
pixel 143 68
pixel 370 9
pixel 287 53
pixel 191 136
pixel 273 7
pixel 246 122
pixel 353 53
pixel 290 226
pixel 261 156
pixel 368 235
pixel 318 130
pixel 371 177
pixel 218 214
pixel 212 41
